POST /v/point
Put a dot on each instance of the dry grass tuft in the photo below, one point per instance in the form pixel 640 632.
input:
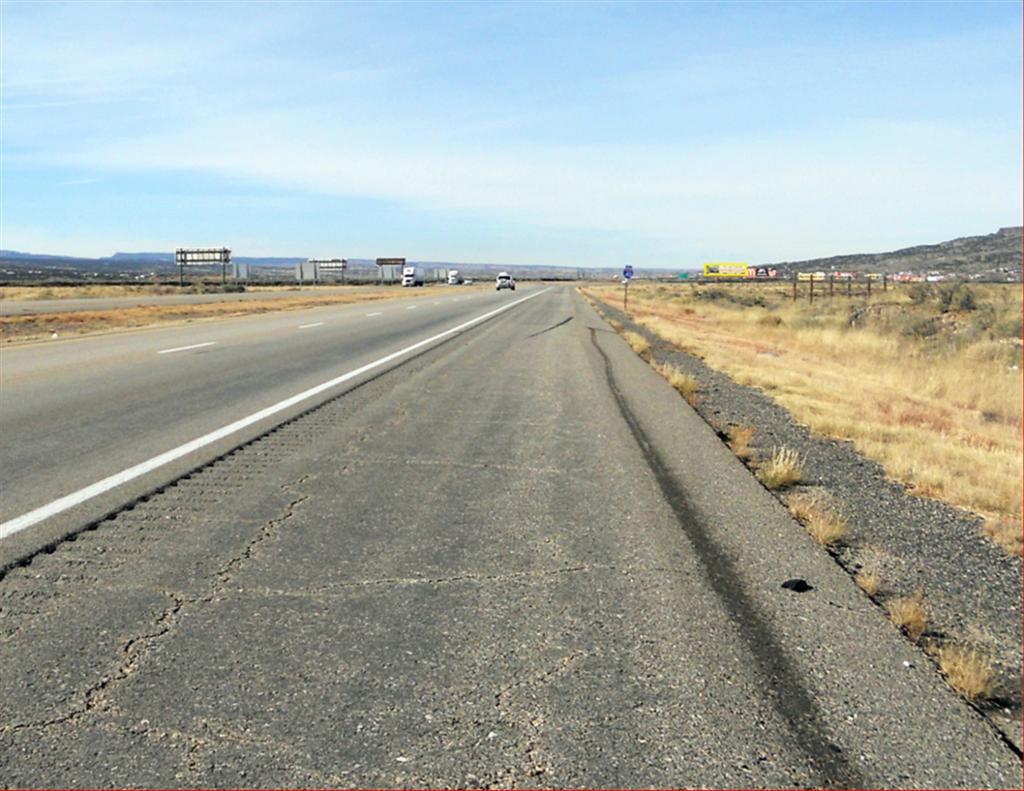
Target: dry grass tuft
pixel 1007 533
pixel 688 386
pixel 638 343
pixel 908 613
pixel 967 670
pixel 868 580
pixel 784 468
pixel 616 325
pixel 942 410
pixel 820 516
pixel 739 440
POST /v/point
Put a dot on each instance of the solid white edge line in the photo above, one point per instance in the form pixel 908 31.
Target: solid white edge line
pixel 314 324
pixel 185 348
pixel 19 523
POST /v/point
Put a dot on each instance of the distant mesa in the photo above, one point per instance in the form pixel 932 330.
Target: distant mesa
pixel 992 256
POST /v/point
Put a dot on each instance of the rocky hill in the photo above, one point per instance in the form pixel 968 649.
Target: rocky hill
pixel 995 255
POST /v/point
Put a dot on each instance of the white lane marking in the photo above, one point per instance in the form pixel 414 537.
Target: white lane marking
pixel 412 307
pixel 314 324
pixel 368 315
pixel 19 523
pixel 186 348
pixel 438 302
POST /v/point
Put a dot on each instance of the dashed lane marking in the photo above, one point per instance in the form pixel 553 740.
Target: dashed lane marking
pixel 61 504
pixel 186 348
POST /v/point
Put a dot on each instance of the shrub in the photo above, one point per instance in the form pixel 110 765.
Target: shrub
pixel 963 299
pixel 920 328
pixel 919 293
pixel 1012 327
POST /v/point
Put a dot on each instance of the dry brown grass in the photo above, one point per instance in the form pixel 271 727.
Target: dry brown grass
pixel 821 517
pixel 908 613
pixel 868 580
pixel 44 325
pixel 688 386
pixel 967 670
pixel 740 438
pixel 1007 533
pixel 942 413
pixel 783 468
pixel 616 325
pixel 638 343
pixel 28 293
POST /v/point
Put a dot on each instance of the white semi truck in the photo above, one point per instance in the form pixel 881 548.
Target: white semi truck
pixel 454 278
pixel 412 276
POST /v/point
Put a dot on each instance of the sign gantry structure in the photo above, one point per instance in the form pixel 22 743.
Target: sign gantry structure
pixel 202 256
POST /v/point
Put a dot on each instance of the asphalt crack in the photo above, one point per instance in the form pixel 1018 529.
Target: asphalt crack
pixel 134 650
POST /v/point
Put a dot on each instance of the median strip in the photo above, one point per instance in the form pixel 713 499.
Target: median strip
pixel 69 501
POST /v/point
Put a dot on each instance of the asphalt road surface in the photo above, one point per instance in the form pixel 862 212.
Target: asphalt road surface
pixel 512 557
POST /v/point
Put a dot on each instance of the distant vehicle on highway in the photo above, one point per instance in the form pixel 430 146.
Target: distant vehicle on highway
pixel 504 280
pixel 454 278
pixel 412 276
pixel 469 281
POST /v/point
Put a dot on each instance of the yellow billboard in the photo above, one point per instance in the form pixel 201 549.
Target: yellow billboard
pixel 725 269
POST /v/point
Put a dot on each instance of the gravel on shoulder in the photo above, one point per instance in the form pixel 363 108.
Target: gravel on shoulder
pixel 972 588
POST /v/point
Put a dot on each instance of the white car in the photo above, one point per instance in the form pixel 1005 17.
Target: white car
pixel 504 280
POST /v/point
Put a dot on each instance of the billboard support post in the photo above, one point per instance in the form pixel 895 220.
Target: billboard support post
pixel 203 256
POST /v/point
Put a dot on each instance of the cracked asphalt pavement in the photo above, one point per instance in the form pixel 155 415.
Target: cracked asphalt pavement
pixel 516 560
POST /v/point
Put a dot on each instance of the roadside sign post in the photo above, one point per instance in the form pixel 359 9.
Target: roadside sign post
pixel 202 256
pixel 627 275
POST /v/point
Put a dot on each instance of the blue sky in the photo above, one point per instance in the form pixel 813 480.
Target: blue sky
pixel 662 134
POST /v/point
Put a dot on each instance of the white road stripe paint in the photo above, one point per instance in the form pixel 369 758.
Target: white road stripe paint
pixel 368 315
pixel 412 307
pixel 314 324
pixel 186 348
pixel 61 504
